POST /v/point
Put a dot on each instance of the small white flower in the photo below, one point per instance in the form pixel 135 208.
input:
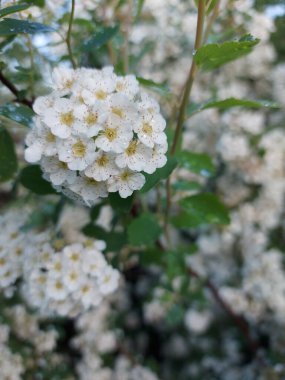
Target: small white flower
pixel 122 108
pixel 91 119
pixel 89 189
pixel 103 167
pixel 128 85
pixel 126 182
pixel 136 156
pixel 157 160
pixel 42 103
pixel 63 79
pixel 150 130
pixel 56 289
pixel 114 137
pixel 108 280
pixel 61 117
pixel 58 171
pixel 93 262
pixel 40 141
pixel 77 152
pixel 89 294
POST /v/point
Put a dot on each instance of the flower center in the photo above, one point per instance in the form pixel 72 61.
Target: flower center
pixel 79 149
pixel 132 148
pixel 62 165
pixel 91 119
pixel 117 111
pixel 101 95
pixel 2 261
pixel 67 118
pixel 103 160
pixel 58 285
pixel 125 176
pixel 147 129
pixel 120 86
pixel 68 84
pixel 50 137
pixel 111 133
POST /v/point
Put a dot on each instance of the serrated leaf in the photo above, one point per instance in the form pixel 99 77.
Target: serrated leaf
pixel 100 38
pixel 31 178
pixel 159 175
pixel 19 113
pixel 8 158
pixel 199 209
pixel 212 56
pixel 121 204
pixel 13 9
pixel 230 103
pixel 143 230
pixel 198 163
pixel 10 26
pixel 159 88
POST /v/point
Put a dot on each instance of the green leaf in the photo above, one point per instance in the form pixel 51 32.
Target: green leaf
pixel 31 178
pixel 151 256
pixel 114 240
pixel 212 56
pixel 139 9
pixel 210 5
pixel 143 230
pixel 17 112
pixel 198 163
pixel 231 102
pixel 13 9
pixel 100 38
pixel 175 315
pixel 8 158
pixel 121 204
pixel 159 88
pixel 186 186
pixel 10 26
pixel 199 209
pixel 38 3
pixel 159 174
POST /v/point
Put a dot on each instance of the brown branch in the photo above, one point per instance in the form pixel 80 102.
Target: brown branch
pixel 239 320
pixel 7 83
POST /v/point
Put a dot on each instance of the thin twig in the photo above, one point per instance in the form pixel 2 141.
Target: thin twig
pixel 7 83
pixel 184 102
pixel 127 25
pixel 239 320
pixel 211 21
pixel 68 37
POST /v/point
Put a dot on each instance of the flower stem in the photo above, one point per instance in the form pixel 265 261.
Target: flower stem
pixel 68 37
pixel 184 102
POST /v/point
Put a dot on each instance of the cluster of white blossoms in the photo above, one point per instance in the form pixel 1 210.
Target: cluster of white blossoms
pixel 68 281
pixel 95 134
pixel 64 281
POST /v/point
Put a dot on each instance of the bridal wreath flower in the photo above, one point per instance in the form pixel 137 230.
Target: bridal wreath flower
pixel 96 133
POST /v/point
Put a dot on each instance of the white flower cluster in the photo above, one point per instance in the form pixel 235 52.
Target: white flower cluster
pixel 95 133
pixel 11 365
pixel 65 281
pixel 69 281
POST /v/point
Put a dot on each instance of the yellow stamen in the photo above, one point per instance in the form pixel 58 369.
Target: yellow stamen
pixel 111 133
pixel 147 129
pixel 103 160
pixel 67 118
pixel 101 95
pixel 117 111
pixel 79 149
pixel 132 148
pixel 50 137
pixel 91 119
